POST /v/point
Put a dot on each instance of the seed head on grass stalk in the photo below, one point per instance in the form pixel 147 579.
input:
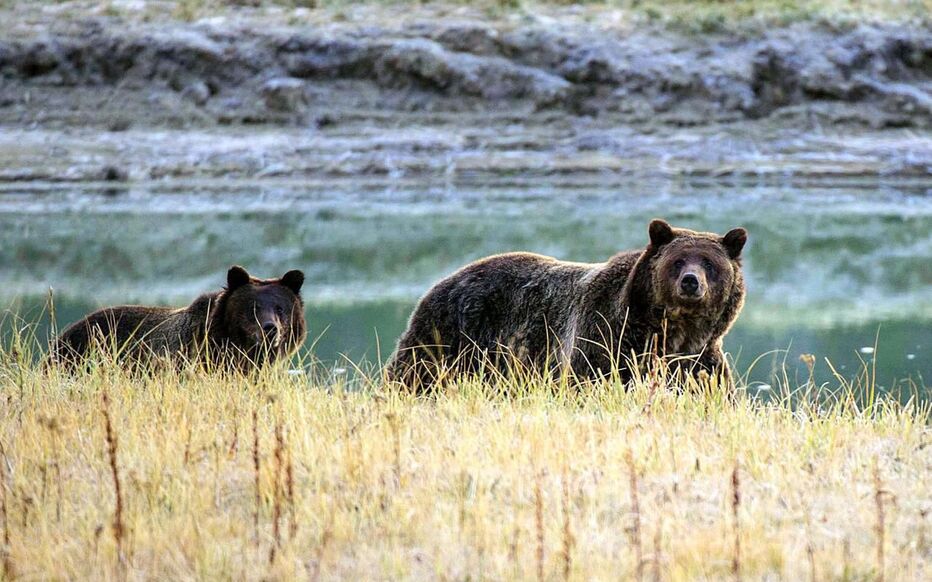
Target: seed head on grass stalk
pixel 290 496
pixel 569 541
pixel 810 548
pixel 880 526
pixel 9 572
pixel 636 514
pixel 277 493
pixel 234 441
pixel 119 529
pixel 921 540
pixel 393 423
pixel 187 447
pixel 513 545
pixel 315 567
pixel 735 509
pixel 27 502
pixel 52 425
pixel 658 540
pixel 256 465
pixel 539 523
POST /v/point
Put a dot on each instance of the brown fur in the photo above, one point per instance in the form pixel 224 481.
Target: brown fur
pixel 249 322
pixel 591 318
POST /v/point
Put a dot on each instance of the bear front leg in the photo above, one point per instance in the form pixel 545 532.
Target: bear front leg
pixel 409 369
pixel 713 364
pixel 713 361
pixel 703 367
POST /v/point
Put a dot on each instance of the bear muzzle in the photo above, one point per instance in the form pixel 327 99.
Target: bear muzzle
pixel 267 334
pixel 269 331
pixel 690 286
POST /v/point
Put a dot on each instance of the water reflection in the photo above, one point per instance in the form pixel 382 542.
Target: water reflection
pixel 827 267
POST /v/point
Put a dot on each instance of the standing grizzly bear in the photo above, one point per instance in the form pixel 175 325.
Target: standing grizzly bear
pixel 679 296
pixel 250 322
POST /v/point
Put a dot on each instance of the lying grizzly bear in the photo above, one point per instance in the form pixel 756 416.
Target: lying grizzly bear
pixel 250 322
pixel 678 296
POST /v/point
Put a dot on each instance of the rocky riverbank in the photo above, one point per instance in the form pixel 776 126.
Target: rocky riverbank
pixel 104 98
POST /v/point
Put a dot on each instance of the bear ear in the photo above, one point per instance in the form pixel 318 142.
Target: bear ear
pixel 734 241
pixel 237 277
pixel 660 232
pixel 293 280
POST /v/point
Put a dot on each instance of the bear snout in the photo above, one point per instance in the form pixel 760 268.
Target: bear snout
pixel 691 286
pixel 269 334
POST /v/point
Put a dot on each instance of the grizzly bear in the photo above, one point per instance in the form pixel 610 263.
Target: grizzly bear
pixel 248 323
pixel 677 297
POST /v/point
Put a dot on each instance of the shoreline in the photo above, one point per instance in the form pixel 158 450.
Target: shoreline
pixel 103 98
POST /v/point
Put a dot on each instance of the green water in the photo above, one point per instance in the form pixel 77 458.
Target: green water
pixel 830 267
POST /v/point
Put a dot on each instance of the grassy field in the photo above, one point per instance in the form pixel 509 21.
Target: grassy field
pixel 278 476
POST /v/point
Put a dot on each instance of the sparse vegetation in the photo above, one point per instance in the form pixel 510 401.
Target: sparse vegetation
pixel 697 16
pixel 106 475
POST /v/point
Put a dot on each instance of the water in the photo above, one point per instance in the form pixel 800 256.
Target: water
pixel 831 268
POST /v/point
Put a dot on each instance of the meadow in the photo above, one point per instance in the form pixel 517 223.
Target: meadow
pixel 322 475
pixel 323 472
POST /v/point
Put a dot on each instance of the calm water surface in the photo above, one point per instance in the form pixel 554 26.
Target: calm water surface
pixel 831 268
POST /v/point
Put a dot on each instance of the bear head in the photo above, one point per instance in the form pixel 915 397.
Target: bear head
pixel 262 319
pixel 695 273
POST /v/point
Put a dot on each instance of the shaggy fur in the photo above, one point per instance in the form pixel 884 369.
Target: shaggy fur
pixel 250 322
pixel 678 296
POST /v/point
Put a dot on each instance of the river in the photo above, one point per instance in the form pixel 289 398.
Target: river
pixel 839 269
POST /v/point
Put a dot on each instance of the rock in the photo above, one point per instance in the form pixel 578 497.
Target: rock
pixel 114 174
pixel 900 97
pixel 285 94
pixel 774 79
pixel 328 58
pixel 197 92
pixel 592 65
pixel 119 124
pixel 470 38
pixel 579 67
pixel 425 63
pixel 324 120
pixel 39 60
pixel 231 103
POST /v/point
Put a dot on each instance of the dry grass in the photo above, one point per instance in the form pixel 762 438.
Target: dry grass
pixel 276 477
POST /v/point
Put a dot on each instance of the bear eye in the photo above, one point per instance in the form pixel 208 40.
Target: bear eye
pixel 708 265
pixel 679 263
pixel 279 310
